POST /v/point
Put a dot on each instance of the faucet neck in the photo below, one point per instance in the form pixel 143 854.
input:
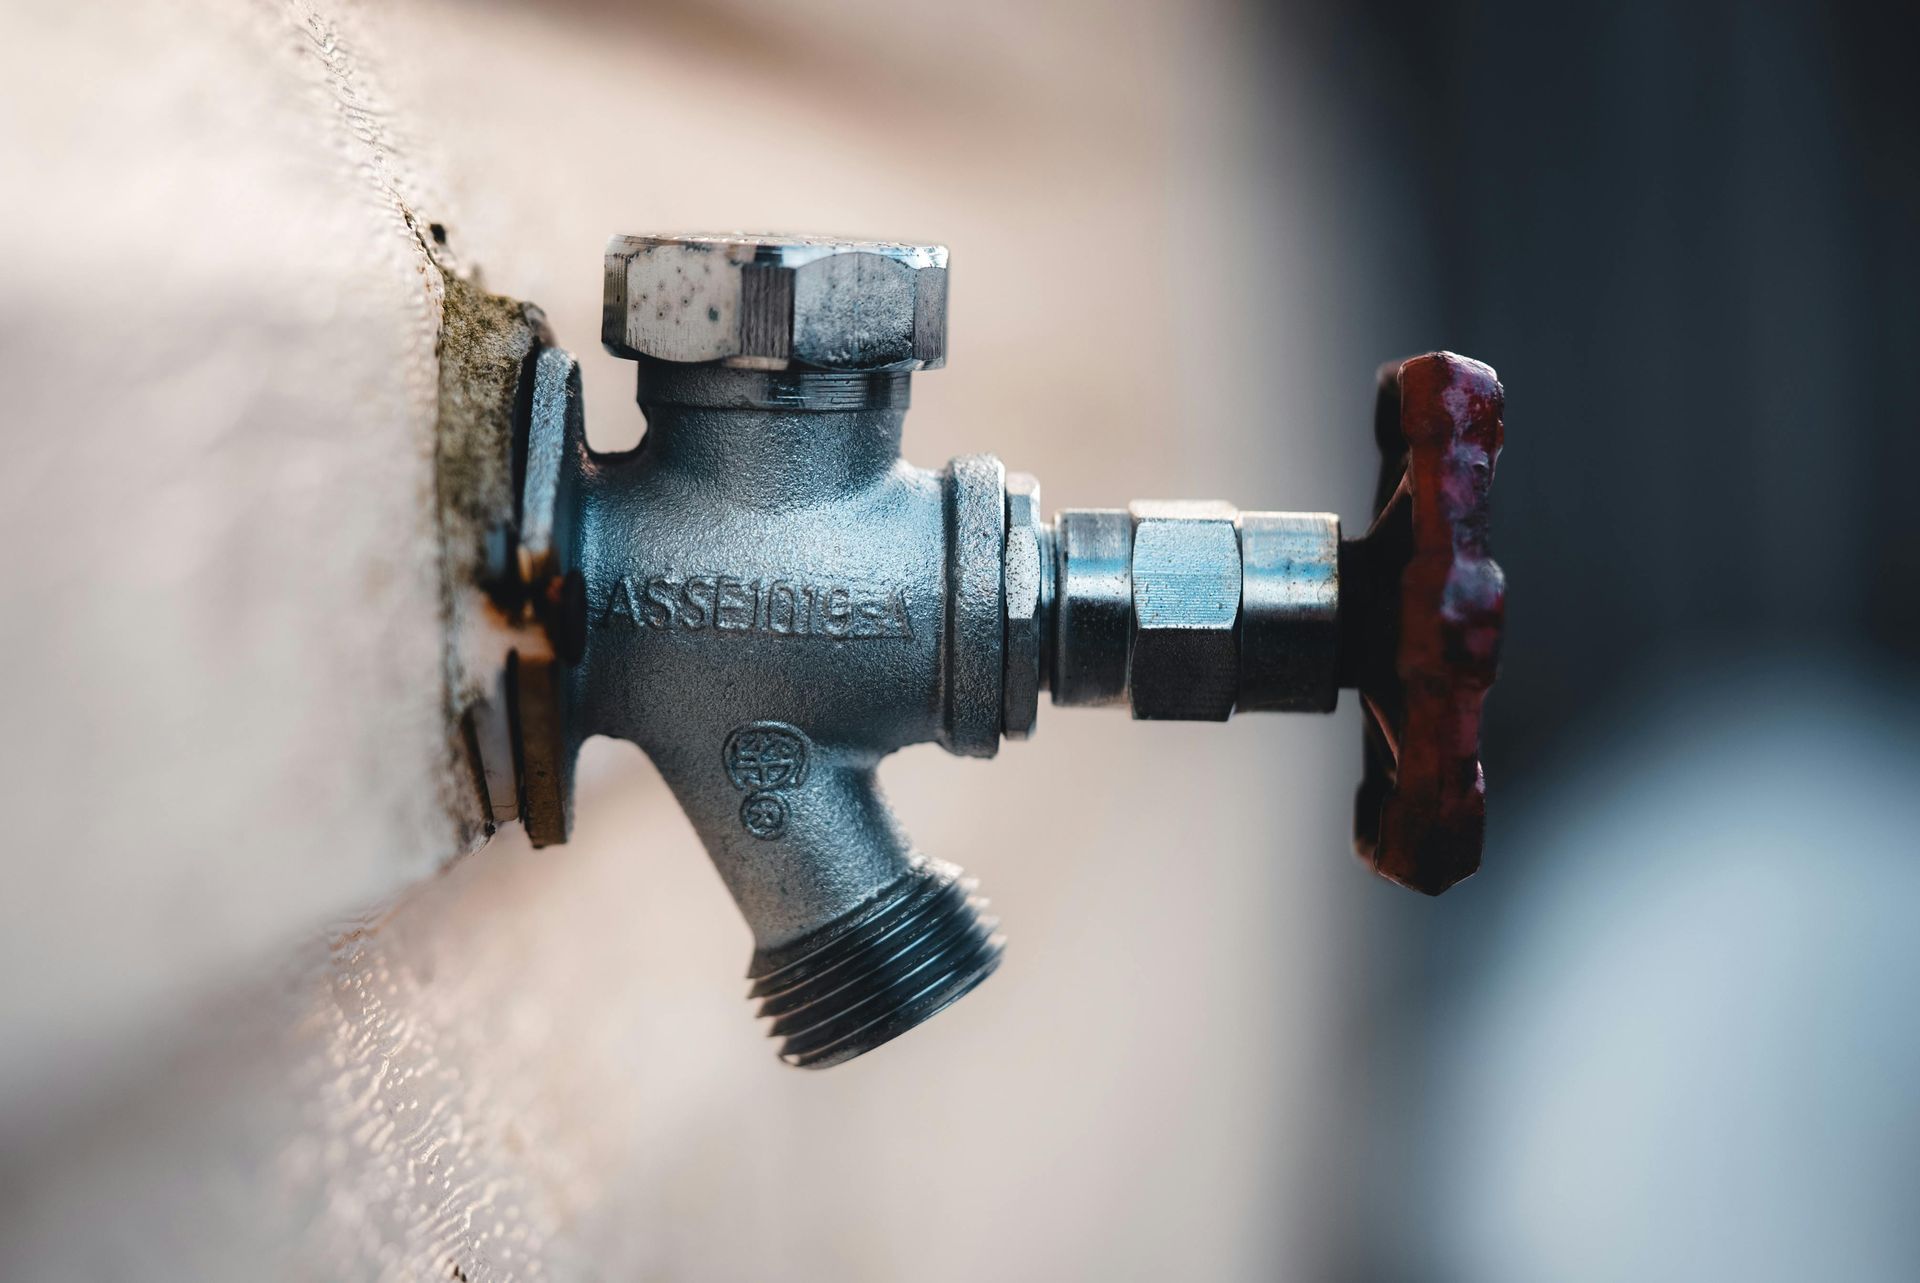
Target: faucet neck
pixel 767 438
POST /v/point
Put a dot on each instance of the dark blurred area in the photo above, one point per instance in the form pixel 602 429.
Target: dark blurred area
pixel 1685 233
pixel 1691 229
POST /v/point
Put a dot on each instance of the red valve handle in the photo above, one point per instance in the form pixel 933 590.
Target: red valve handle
pixel 1422 609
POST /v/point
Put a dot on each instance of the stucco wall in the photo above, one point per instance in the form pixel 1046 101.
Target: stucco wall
pixel 222 627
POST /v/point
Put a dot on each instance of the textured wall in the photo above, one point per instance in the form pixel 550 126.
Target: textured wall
pixel 222 625
pixel 242 1054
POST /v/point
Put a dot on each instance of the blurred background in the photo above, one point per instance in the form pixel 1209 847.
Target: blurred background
pixel 264 1017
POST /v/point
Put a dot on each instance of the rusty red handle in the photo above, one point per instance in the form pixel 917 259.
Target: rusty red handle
pixel 1422 609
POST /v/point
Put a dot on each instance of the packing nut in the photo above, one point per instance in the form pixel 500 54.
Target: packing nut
pixel 776 302
pixel 1185 661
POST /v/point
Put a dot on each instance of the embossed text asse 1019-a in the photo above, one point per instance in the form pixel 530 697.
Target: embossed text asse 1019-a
pixel 783 606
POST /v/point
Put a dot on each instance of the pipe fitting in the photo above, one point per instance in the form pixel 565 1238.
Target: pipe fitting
pixel 1028 580
pixel 1093 606
pixel 972 667
pixel 1193 611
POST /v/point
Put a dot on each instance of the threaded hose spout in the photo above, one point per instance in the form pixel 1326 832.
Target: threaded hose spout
pixel 918 946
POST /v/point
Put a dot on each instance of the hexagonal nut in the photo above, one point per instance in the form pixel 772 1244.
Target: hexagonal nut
pixel 1029 601
pixel 1185 662
pixel 776 302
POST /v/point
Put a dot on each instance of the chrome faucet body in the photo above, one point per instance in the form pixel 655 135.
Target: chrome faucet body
pixel 768 599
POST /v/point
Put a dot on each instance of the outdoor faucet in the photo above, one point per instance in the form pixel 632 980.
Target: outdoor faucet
pixel 767 599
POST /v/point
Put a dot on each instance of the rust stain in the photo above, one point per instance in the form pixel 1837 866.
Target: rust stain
pixel 484 346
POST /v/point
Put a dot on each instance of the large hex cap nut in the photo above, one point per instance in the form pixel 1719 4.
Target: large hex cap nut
pixel 776 302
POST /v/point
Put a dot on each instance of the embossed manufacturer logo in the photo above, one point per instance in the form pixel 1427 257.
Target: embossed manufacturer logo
pixel 764 760
pixel 766 755
pixel 764 607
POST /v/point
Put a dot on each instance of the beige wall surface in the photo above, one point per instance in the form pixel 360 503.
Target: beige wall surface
pixel 221 613
pixel 251 1031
